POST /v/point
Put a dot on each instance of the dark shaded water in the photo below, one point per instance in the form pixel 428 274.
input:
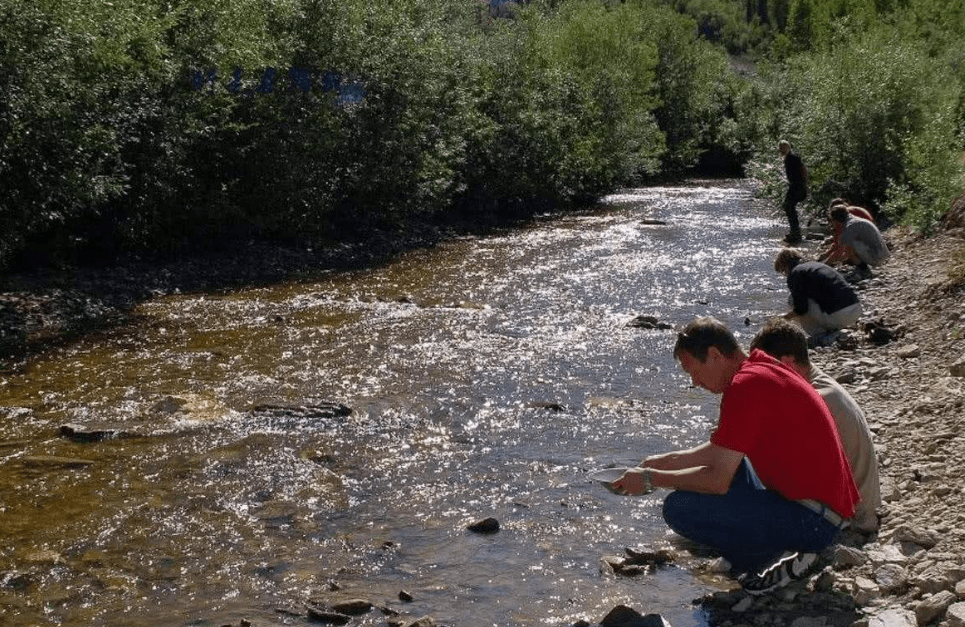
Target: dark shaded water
pixel 486 375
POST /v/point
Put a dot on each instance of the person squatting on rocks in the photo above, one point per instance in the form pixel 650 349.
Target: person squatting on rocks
pixel 787 343
pixel 835 253
pixel 861 241
pixel 772 487
pixel 822 301
pixel 797 189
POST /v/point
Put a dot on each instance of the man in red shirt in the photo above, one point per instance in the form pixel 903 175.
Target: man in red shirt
pixel 772 487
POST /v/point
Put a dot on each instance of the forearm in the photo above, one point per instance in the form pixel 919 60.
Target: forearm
pixel 704 479
pixel 679 460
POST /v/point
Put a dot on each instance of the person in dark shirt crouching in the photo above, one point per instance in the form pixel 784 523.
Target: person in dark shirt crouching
pixel 822 301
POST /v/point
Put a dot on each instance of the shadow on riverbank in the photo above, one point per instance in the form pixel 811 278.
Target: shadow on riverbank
pixel 54 304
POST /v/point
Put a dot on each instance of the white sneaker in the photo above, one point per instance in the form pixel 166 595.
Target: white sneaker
pixel 780 573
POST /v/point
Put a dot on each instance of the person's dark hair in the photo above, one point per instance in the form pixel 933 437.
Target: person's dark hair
pixel 786 260
pixel 703 333
pixel 839 213
pixel 837 201
pixel 780 338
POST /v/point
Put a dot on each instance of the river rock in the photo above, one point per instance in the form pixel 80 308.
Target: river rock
pixel 848 556
pixel 743 605
pixel 80 433
pixel 955 615
pixel 550 405
pixel 54 462
pixel 865 591
pixel 648 322
pixel 486 525
pixel 924 538
pixel 891 578
pixel 623 616
pixel 16 580
pixel 169 405
pixel 325 409
pixel 893 617
pixel 957 369
pixel 848 375
pixel 651 558
pixel 930 608
pixel 935 577
pixel 326 615
pixel 353 607
pixel 909 351
pixel 886 554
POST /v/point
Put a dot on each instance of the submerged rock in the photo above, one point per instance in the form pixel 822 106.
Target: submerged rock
pixel 80 433
pixel 326 615
pixel 623 616
pixel 354 607
pixel 648 322
pixel 54 462
pixel 325 409
pixel 486 525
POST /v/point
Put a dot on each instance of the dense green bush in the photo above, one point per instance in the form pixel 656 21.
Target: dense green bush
pixel 874 118
pixel 142 127
pixel 138 126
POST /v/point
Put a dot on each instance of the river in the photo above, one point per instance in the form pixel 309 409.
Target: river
pixel 485 375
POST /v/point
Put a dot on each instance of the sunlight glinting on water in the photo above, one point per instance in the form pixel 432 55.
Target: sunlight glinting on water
pixel 485 375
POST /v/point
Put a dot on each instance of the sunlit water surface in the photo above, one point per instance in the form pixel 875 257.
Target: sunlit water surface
pixel 487 376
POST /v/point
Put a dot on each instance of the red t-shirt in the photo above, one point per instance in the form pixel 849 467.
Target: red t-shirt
pixel 772 415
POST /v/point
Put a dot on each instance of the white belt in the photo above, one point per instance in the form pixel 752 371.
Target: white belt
pixel 829 514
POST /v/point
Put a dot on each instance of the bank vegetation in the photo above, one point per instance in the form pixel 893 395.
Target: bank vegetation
pixel 144 128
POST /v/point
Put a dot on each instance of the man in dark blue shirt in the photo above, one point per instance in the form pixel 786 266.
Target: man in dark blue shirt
pixel 822 301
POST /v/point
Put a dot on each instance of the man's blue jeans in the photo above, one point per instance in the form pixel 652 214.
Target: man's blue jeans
pixel 750 525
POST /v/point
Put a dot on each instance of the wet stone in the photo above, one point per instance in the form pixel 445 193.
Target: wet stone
pixel 327 616
pixel 623 616
pixel 648 322
pixel 354 607
pixel 53 462
pixel 82 434
pixel 486 525
pixel 321 410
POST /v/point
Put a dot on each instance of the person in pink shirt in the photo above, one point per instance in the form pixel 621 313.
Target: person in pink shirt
pixel 836 252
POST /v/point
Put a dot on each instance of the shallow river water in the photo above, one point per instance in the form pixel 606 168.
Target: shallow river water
pixel 486 376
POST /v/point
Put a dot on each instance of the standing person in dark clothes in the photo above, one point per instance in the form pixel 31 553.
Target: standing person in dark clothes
pixel 797 189
pixel 822 300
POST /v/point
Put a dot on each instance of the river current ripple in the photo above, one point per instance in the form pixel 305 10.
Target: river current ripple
pixel 486 376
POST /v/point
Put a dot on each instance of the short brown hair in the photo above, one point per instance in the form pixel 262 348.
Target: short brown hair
pixel 703 333
pixel 786 260
pixel 839 213
pixel 781 338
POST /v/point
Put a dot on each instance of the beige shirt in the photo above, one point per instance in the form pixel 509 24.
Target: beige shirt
pixel 858 446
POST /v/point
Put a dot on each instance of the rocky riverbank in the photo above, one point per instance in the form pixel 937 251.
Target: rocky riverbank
pixel 905 367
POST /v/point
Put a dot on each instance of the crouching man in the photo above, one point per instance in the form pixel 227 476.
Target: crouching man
pixel 787 343
pixel 772 487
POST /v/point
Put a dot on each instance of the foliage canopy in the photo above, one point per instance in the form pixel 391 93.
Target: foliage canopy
pixel 144 127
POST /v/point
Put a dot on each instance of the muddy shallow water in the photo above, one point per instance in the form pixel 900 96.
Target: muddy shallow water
pixel 485 376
